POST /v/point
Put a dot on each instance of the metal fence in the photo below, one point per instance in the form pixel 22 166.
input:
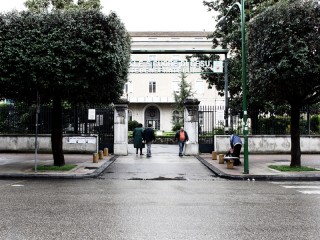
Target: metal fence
pixel 21 119
pixel 211 122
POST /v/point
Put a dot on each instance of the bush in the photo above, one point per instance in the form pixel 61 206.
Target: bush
pixel 315 124
pixel 132 125
pixel 176 127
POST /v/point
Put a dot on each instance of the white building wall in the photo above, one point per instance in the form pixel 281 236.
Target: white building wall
pixel 138 93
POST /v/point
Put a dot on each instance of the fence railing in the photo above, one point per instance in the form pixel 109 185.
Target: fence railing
pixel 211 122
pixel 21 119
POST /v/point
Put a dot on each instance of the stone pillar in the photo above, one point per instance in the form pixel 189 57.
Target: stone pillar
pixel 120 146
pixel 191 125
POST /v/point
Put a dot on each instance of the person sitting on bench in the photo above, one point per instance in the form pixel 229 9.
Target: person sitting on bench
pixel 236 145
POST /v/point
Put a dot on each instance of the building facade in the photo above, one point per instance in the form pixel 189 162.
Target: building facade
pixel 155 75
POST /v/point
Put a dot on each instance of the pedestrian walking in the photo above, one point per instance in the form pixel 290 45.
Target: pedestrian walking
pixel 235 148
pixel 138 138
pixel 182 137
pixel 149 136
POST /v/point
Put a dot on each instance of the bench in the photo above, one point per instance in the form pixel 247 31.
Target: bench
pixel 230 161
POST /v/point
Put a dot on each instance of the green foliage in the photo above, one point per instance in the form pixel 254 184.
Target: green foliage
pixel 185 91
pixel 76 55
pixel 66 167
pixel 273 125
pixel 315 124
pixel 45 5
pixel 132 125
pixel 228 35
pixel 283 53
pixel 176 127
pixel 284 168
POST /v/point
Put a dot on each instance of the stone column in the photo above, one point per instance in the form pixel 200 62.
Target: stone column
pixel 121 128
pixel 191 125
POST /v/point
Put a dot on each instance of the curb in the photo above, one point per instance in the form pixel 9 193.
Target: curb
pixel 94 174
pixel 248 177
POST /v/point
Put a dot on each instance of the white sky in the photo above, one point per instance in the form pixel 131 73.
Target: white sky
pixel 150 15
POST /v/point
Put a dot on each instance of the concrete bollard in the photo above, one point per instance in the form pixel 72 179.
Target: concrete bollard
pixel 214 155
pixel 100 155
pixel 106 152
pixel 95 158
pixel 221 159
pixel 230 164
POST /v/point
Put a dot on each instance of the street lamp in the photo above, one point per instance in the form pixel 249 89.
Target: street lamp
pixel 244 80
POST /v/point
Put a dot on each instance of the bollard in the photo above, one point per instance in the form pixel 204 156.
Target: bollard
pixel 221 159
pixel 214 155
pixel 100 155
pixel 230 164
pixel 106 152
pixel 95 158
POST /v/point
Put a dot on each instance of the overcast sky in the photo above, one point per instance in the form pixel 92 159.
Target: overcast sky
pixel 150 15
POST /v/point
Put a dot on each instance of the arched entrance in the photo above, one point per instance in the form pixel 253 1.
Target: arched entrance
pixel 152 116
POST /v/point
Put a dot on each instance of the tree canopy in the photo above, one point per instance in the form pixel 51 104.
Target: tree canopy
pixel 185 91
pixel 284 59
pixel 228 35
pixel 46 5
pixel 78 56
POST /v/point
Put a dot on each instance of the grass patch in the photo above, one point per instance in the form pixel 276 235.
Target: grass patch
pixel 66 167
pixel 283 168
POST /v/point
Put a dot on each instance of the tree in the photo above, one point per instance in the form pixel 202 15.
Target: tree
pixel 184 92
pixel 228 35
pixel 284 59
pixel 45 5
pixel 73 56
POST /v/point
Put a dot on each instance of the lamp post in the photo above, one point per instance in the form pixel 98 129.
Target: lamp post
pixel 244 81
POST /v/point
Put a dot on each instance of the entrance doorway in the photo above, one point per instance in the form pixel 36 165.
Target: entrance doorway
pixel 152 116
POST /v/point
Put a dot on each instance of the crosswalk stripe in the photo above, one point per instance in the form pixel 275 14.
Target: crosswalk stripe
pixel 305 187
pixel 309 192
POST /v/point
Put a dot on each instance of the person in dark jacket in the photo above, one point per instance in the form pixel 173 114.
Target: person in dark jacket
pixel 182 137
pixel 138 138
pixel 149 136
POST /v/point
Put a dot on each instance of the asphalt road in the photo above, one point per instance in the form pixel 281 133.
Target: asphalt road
pixel 137 199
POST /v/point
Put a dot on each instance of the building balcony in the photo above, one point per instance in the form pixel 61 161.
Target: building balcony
pixel 151 99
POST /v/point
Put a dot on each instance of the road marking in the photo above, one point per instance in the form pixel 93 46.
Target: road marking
pixel 305 187
pixel 309 192
pixel 9 183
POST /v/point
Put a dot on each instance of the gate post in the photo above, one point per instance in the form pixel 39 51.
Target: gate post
pixel 191 125
pixel 121 128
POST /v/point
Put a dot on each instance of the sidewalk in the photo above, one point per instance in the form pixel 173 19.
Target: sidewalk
pixel 21 165
pixel 259 170
pixel 13 165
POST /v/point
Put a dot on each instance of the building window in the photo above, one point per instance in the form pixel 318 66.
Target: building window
pixel 152 58
pixel 199 87
pixel 175 86
pixel 152 87
pixel 176 117
pixel 129 115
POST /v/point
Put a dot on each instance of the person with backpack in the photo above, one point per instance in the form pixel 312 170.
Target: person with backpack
pixel 181 136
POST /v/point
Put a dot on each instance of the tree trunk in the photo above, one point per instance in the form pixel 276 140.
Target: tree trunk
pixel 56 135
pixel 295 137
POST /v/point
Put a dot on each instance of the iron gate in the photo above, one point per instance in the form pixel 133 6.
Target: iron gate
pixel 209 125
